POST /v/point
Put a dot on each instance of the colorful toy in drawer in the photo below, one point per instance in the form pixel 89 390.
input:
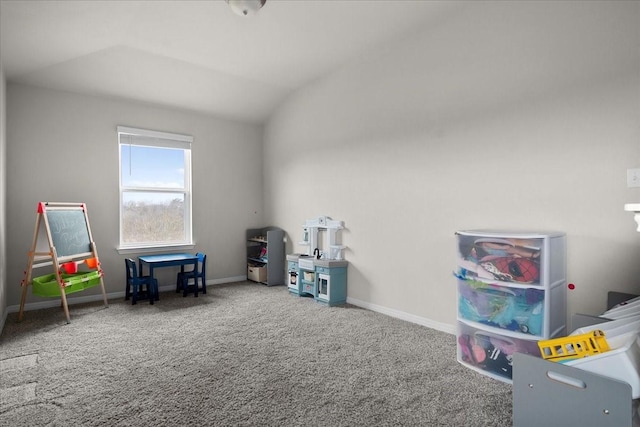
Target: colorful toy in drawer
pixel 492 352
pixel 498 306
pixel 574 346
pixel 522 248
pixel 506 260
pixel 508 269
pixel 47 286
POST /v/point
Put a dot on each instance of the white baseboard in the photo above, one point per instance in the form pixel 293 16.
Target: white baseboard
pixel 55 302
pixel 444 327
pixel 227 280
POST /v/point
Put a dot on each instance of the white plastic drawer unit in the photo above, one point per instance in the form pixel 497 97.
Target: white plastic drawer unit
pixel 509 308
pixel 491 353
pixel 500 257
pixel 511 294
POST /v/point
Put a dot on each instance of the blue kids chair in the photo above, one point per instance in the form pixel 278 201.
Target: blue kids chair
pixel 199 273
pixel 135 284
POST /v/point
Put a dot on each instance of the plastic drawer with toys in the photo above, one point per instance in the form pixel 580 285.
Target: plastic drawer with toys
pixel 491 353
pixel 508 308
pixel 522 258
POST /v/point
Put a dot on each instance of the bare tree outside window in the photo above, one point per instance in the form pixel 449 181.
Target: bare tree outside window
pixel 155 190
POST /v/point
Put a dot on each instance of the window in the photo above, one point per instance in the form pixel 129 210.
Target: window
pixel 155 188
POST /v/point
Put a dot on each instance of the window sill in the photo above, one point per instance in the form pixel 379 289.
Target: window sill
pixel 152 249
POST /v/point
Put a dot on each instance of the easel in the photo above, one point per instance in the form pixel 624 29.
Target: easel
pixel 70 243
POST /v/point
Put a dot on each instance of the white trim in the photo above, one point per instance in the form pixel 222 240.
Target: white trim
pixel 127 250
pixel 443 327
pixel 154 134
pixel 55 302
pixel 156 139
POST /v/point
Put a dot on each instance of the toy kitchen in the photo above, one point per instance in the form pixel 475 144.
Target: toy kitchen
pixel 321 272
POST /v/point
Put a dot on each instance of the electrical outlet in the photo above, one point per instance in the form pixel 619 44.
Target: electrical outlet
pixel 633 178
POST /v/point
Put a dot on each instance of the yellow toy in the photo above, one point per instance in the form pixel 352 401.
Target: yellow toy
pixel 574 347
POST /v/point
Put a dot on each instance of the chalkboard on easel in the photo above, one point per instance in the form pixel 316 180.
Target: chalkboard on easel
pixel 69 231
pixel 67 234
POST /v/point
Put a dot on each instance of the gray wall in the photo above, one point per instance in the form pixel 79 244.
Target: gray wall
pixel 509 115
pixel 63 147
pixel 3 188
pixel 519 115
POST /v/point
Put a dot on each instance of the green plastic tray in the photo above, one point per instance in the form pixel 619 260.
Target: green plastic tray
pixel 47 286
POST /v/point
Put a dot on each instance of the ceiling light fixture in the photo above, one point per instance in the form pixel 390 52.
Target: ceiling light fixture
pixel 245 7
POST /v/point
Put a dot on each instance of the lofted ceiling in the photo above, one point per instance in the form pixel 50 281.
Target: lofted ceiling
pixel 198 55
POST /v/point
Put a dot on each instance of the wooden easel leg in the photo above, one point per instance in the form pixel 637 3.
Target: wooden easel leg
pixel 104 293
pixel 22 301
pixel 64 305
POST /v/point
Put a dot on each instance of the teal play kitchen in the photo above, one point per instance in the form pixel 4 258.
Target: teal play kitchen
pixel 320 272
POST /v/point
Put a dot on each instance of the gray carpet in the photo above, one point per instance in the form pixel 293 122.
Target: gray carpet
pixel 242 355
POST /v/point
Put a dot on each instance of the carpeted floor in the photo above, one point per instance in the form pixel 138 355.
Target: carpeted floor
pixel 242 355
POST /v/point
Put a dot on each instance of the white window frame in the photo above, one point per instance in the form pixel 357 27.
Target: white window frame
pixel 161 140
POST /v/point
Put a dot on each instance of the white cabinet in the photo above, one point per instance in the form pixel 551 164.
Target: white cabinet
pixel 293 278
pixel 327 248
pixel 511 294
pixel 324 287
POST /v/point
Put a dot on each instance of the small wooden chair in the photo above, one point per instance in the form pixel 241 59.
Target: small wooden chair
pixel 184 277
pixel 136 283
